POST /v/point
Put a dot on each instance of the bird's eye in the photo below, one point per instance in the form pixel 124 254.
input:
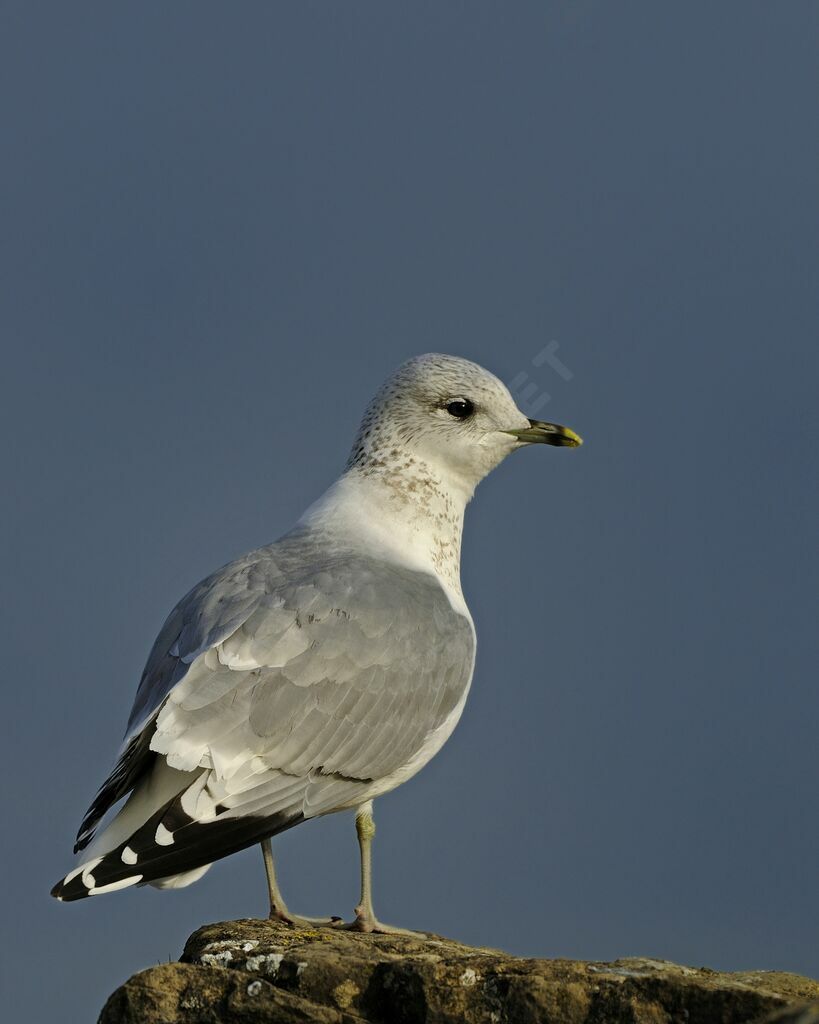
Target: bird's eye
pixel 460 408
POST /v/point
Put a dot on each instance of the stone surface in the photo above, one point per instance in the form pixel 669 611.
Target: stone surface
pixel 263 972
pixel 803 1013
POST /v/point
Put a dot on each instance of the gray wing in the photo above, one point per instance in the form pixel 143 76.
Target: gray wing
pixel 307 662
pixel 345 673
pixel 207 614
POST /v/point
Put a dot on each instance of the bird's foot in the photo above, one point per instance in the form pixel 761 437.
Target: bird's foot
pixel 280 914
pixel 366 921
pixel 297 921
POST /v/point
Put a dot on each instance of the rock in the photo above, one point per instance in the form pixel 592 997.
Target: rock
pixel 263 972
pixel 804 1013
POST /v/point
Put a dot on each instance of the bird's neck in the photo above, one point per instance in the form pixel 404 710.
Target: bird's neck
pixel 403 511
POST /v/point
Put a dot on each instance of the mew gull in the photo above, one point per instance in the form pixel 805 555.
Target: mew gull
pixel 317 673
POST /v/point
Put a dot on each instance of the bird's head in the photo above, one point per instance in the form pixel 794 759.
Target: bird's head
pixel 451 414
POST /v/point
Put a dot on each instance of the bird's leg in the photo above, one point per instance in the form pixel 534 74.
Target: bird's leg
pixel 278 908
pixel 365 830
pixel 365 919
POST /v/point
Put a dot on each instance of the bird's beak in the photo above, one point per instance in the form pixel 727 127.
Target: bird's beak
pixel 547 433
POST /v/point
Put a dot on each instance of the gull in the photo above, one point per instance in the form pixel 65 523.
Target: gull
pixel 317 673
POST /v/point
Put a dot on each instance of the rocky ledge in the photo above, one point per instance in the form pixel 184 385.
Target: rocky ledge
pixel 262 972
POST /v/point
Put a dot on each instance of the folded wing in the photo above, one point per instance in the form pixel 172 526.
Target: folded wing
pixel 277 694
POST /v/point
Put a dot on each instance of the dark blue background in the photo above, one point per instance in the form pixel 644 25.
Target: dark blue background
pixel 223 225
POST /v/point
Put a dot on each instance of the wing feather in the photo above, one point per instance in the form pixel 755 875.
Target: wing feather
pixel 380 663
pixel 328 667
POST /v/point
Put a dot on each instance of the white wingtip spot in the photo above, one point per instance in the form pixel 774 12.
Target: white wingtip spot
pixel 128 856
pixel 123 883
pixel 87 877
pixel 163 837
pixel 73 874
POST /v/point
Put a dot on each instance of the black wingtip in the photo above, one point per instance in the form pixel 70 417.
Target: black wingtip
pixel 194 844
pixel 66 893
pixel 133 763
